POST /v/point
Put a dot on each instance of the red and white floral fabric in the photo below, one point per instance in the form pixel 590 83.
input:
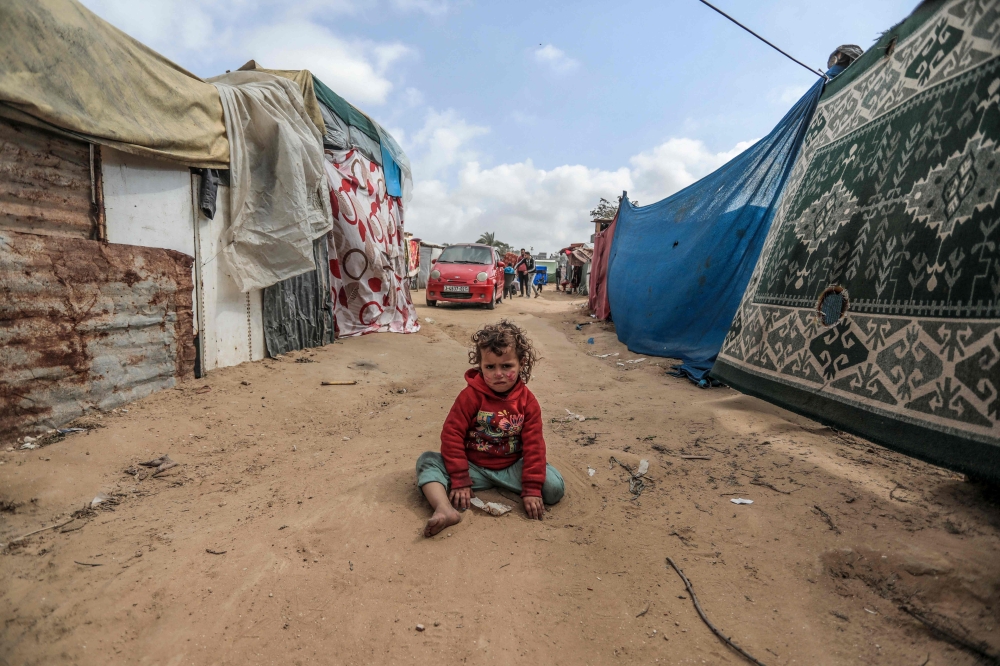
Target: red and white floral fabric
pixel 367 259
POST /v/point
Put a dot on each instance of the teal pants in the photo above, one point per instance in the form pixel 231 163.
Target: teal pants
pixel 430 467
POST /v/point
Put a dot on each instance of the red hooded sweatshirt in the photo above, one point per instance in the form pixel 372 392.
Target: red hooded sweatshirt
pixel 494 431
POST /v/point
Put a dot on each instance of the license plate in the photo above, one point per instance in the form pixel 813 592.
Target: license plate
pixel 461 288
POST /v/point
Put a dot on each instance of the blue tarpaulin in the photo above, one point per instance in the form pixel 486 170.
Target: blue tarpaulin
pixel 678 268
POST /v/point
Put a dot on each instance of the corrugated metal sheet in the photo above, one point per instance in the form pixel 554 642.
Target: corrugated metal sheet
pixel 298 312
pixel 45 183
pixel 86 325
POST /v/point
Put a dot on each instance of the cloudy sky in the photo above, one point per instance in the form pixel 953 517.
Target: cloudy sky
pixel 518 116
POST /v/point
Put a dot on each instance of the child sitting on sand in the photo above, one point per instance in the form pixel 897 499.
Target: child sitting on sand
pixel 492 437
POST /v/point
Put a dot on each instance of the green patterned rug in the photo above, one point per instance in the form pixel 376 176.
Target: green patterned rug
pixel 893 202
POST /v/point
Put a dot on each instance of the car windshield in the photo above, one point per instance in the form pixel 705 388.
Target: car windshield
pixel 466 254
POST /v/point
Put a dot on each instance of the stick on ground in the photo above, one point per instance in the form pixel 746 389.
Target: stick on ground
pixel 50 527
pixel 979 648
pixel 697 606
pixel 827 518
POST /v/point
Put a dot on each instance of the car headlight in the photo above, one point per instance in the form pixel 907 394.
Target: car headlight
pixel 481 276
pixel 435 275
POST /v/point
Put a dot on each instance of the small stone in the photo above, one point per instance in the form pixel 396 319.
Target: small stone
pixel 437 624
pixel 294 448
pixel 271 594
pixel 420 627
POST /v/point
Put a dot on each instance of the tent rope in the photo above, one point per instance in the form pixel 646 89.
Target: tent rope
pixel 814 71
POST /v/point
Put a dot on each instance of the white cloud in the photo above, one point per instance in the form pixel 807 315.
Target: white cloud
pixel 522 118
pixel 524 205
pixel 442 142
pixel 528 206
pixel 789 94
pixel 412 97
pixel 555 59
pixel 674 165
pixel 160 23
pixel 272 32
pixel 430 7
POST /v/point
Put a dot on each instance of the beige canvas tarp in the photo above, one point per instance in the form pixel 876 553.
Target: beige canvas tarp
pixel 64 68
pixel 303 78
pixel 279 197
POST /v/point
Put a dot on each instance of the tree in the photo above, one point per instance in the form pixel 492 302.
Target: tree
pixel 604 211
pixel 489 238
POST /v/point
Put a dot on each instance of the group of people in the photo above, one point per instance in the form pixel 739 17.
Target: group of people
pixel 523 269
pixel 519 274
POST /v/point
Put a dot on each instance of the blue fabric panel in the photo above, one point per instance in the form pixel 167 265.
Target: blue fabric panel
pixel 393 186
pixel 678 268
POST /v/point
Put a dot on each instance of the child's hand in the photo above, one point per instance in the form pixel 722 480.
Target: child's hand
pixel 460 497
pixel 534 507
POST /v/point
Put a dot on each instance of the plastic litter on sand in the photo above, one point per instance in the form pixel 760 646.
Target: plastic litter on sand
pixel 100 498
pixel 492 508
pixel 591 471
pixel 578 417
pixel 740 500
pixel 643 467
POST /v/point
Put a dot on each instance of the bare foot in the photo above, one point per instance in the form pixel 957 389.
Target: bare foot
pixel 440 520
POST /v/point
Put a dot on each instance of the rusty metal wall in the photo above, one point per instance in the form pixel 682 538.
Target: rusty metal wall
pixel 45 183
pixel 87 325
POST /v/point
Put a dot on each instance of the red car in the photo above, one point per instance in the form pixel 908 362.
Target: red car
pixel 466 273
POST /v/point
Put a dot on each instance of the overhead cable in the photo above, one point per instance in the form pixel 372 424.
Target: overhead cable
pixel 814 71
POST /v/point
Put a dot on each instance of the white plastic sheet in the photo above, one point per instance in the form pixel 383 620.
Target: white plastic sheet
pixel 279 196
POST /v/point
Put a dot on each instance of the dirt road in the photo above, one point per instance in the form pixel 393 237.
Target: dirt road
pixel 290 534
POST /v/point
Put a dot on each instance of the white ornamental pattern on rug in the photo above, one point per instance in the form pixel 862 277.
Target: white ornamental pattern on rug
pixel 940 372
pixel 367 259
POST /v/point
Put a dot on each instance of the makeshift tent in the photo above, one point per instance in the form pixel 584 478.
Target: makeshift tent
pixel 348 127
pixel 598 302
pixel 677 268
pixel 68 71
pixel 303 78
pixel 367 259
pixel 875 305
pixel 429 252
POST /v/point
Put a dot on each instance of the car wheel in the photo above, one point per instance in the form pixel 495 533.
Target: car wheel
pixel 431 304
pixel 492 305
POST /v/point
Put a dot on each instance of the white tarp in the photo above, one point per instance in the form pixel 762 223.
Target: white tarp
pixel 279 194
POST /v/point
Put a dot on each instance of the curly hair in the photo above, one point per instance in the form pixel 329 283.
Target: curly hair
pixel 500 337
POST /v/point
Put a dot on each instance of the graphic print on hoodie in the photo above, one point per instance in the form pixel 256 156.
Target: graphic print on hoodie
pixel 494 431
pixel 497 432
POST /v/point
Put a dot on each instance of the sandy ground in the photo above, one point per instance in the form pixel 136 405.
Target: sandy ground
pixel 308 493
